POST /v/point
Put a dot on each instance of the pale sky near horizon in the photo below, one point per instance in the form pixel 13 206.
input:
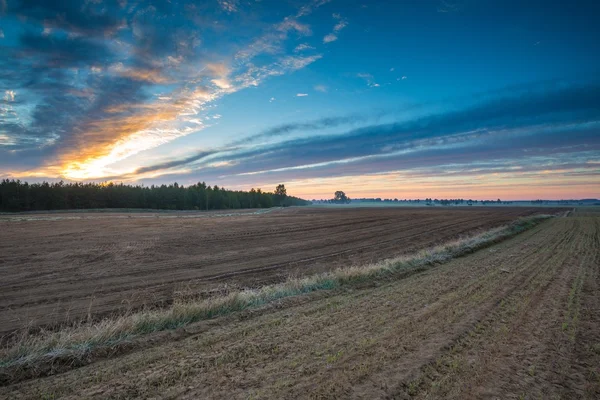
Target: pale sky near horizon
pixel 406 99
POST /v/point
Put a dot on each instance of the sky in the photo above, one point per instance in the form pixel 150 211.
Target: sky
pixel 476 99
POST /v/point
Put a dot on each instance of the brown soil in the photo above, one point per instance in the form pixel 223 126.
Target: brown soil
pixel 517 320
pixel 61 267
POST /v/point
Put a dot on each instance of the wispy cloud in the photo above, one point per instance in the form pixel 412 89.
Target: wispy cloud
pixel 341 24
pixel 229 6
pixel 303 47
pixel 447 7
pixel 310 7
pixel 368 78
pixel 330 38
pixel 301 94
pixel 291 24
pixel 319 124
pixel 272 41
pixel 321 88
pixel 9 95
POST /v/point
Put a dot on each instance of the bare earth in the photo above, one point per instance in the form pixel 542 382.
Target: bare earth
pixel 60 267
pixel 518 320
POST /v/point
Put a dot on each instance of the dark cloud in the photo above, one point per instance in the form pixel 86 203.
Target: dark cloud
pixel 44 70
pixel 161 29
pixel 49 114
pixel 175 163
pixel 64 52
pixel 323 123
pixel 84 17
pixel 93 125
pixel 63 108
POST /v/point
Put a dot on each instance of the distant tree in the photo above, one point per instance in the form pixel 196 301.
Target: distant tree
pixel 280 195
pixel 340 197
pixel 280 190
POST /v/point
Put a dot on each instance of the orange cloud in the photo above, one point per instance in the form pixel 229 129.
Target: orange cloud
pixel 151 75
pixel 146 75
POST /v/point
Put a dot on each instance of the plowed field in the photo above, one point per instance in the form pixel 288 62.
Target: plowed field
pixel 60 267
pixel 520 319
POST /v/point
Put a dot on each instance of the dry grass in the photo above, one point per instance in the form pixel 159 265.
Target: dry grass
pixel 80 342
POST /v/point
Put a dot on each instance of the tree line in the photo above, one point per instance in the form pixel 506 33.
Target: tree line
pixel 16 195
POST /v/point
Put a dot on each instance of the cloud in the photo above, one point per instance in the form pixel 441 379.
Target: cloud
pixel 310 7
pixel 272 99
pixel 272 41
pixel 229 6
pixel 319 124
pixel 303 47
pixel 155 76
pixel 218 69
pixel 330 38
pixel 294 63
pixel 254 75
pixel 9 95
pixel 301 94
pixel 290 24
pixel 155 40
pixel 341 24
pixel 368 78
pixel 174 163
pixel 220 72
pixel 65 52
pixel 321 88
pixel 446 7
pixel 88 18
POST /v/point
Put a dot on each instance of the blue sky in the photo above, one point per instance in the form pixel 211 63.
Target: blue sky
pixel 407 99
